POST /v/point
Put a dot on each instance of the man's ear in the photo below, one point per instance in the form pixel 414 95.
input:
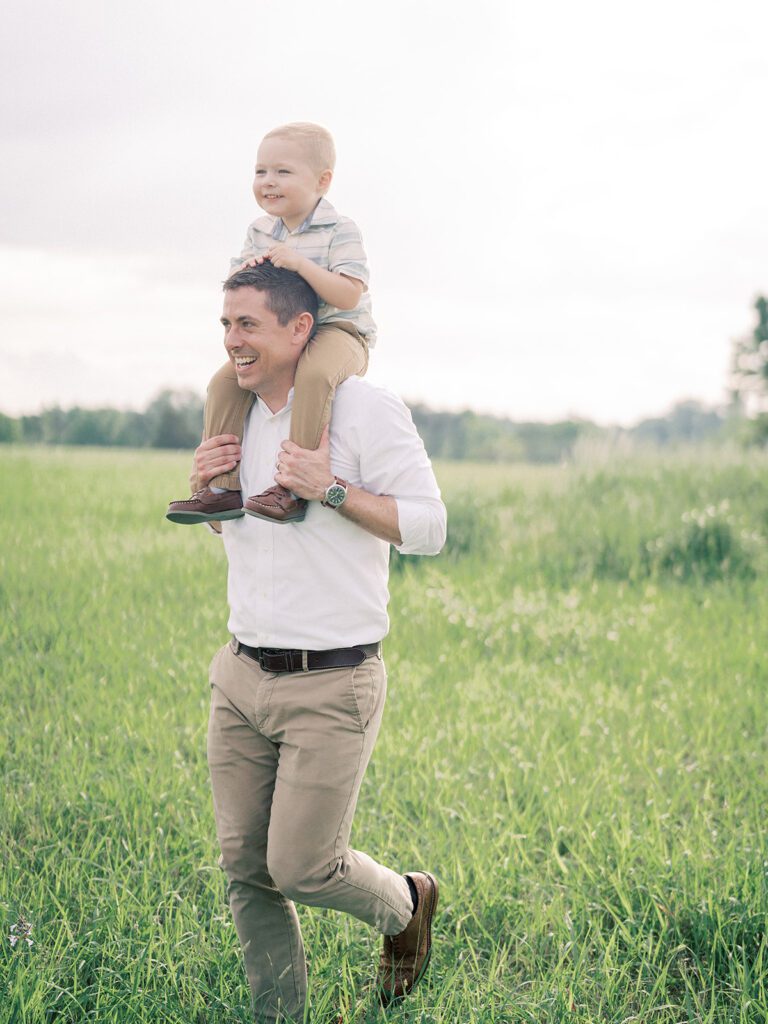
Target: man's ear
pixel 324 182
pixel 302 328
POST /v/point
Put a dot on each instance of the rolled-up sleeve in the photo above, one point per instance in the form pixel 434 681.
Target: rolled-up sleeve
pixel 393 461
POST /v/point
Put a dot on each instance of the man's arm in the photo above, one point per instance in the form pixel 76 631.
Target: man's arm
pixel 399 500
pixel 308 474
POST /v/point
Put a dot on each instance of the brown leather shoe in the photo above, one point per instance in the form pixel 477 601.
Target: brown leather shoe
pixel 405 957
pixel 277 505
pixel 205 506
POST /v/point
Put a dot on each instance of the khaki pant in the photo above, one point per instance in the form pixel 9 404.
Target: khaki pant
pixel 336 351
pixel 287 754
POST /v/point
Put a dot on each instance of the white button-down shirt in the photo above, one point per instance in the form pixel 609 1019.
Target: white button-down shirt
pixel 322 583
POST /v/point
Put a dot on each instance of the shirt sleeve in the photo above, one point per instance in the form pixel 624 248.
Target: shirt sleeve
pixel 346 254
pixel 393 461
pixel 256 244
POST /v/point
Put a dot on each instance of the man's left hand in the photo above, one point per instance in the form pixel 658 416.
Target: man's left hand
pixel 306 473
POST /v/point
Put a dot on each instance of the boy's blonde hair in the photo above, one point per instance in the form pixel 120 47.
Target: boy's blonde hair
pixel 316 141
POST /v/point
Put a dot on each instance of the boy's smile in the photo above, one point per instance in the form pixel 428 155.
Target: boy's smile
pixel 285 184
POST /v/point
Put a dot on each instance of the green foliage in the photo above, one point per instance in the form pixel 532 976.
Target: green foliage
pixel 171 420
pixel 9 429
pixel 707 546
pixel 574 741
pixel 750 376
pixel 473 531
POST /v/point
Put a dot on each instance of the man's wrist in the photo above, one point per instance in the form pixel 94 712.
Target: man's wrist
pixel 335 493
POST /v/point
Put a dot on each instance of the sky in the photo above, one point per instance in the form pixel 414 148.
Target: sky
pixel 564 205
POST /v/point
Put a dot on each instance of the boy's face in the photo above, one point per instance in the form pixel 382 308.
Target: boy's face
pixel 285 185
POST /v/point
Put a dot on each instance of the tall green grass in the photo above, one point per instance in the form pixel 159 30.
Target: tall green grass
pixel 575 742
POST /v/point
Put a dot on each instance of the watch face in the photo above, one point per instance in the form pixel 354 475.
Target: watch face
pixel 335 495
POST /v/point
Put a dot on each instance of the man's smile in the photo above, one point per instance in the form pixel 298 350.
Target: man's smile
pixel 243 361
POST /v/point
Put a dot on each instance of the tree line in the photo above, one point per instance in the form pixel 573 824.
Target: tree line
pixel 174 420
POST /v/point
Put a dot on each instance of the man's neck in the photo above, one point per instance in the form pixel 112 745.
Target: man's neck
pixel 275 399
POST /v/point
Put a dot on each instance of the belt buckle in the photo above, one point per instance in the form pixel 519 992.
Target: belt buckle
pixel 266 656
pixel 275 659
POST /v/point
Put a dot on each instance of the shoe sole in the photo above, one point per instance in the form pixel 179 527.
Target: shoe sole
pixel 271 519
pixel 203 517
pixel 387 1000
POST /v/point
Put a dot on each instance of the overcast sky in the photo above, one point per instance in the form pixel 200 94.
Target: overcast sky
pixel 564 205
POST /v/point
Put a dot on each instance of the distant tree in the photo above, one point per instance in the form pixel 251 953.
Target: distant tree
pixel 9 429
pixel 688 422
pixel 175 420
pixel 750 374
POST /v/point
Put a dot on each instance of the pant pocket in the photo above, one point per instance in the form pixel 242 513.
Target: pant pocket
pixel 363 689
pixel 214 662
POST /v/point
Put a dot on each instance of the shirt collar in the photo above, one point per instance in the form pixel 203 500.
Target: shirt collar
pixel 267 413
pixel 322 215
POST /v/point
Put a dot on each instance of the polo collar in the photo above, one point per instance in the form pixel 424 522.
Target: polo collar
pixel 323 215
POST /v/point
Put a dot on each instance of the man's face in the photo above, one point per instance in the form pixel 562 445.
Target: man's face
pixel 284 184
pixel 263 352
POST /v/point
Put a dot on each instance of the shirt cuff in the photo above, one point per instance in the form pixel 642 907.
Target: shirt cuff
pixel 422 525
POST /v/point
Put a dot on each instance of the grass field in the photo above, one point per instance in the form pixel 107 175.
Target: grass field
pixel 575 742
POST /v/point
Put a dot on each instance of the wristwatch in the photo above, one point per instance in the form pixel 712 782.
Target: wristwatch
pixel 335 493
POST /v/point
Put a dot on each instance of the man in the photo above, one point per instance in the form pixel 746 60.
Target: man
pixel 298 695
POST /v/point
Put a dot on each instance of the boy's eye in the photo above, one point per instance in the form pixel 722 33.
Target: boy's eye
pixel 283 170
pixel 259 171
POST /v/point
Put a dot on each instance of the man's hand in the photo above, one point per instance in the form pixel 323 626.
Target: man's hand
pixel 218 454
pixel 303 471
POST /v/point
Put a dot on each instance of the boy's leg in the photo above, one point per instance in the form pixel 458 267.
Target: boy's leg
pixel 226 407
pixel 336 352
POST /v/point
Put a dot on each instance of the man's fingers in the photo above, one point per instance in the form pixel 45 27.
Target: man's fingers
pixel 325 440
pixel 218 441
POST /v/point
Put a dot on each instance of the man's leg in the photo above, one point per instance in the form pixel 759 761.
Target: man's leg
pixel 326 724
pixel 243 765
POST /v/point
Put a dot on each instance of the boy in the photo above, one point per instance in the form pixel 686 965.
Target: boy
pixel 301 232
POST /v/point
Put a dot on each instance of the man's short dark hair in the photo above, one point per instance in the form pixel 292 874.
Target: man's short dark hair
pixel 288 294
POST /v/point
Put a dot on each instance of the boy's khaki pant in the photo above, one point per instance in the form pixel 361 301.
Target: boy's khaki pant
pixel 287 754
pixel 335 352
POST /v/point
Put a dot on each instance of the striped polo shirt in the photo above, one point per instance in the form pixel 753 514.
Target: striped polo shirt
pixel 328 239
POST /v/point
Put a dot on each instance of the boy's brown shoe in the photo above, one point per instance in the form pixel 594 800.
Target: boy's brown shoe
pixel 405 957
pixel 206 506
pixel 277 505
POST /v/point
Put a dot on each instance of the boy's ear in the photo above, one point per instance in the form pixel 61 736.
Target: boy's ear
pixel 325 180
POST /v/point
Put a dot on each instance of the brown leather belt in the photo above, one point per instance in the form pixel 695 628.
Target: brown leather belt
pixel 277 659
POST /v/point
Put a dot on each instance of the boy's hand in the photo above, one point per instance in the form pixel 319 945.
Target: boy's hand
pixel 282 255
pixel 303 471
pixel 218 454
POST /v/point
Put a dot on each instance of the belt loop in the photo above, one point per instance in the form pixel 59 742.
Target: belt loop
pixel 235 645
pixel 304 662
